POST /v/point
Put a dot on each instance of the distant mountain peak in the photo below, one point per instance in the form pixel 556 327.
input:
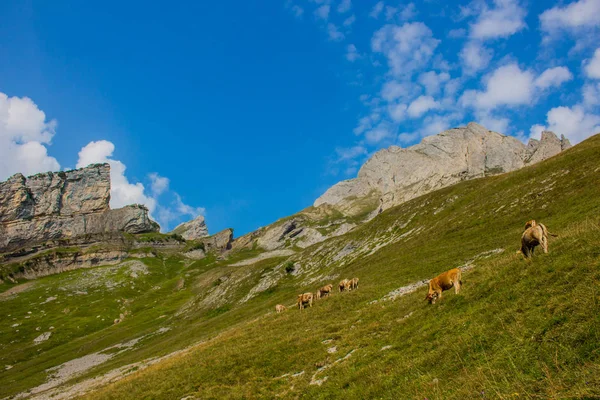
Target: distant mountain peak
pixel 394 175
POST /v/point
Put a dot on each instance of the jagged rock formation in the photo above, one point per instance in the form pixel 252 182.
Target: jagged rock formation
pixel 194 229
pixel 395 175
pixel 64 204
pixel 219 241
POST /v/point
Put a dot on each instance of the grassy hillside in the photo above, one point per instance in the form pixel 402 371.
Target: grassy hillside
pixel 520 329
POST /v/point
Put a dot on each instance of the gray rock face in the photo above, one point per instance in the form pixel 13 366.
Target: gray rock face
pixel 56 205
pixel 549 145
pixel 395 175
pixel 219 241
pixel 194 229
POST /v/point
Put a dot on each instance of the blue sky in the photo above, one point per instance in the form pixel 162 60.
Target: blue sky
pixel 248 111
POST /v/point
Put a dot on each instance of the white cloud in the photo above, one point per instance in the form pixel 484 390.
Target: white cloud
pixel 390 12
pixel 572 122
pixel 158 184
pixel 408 12
pixel 397 112
pixel 367 122
pixel 432 81
pixel 592 67
pixel 349 21
pixel 507 85
pixel 407 47
pixel 28 158
pixel 377 9
pixel 352 53
pixel 451 88
pixel 408 137
pixel 122 192
pixel 436 124
pixel 475 57
pixel 591 94
pixel 185 209
pixel 23 133
pixel 348 153
pixel 334 33
pixel 379 133
pixel 421 105
pixel 322 12
pixel 392 90
pixel 553 77
pixel 505 19
pixel 344 6
pixel 572 17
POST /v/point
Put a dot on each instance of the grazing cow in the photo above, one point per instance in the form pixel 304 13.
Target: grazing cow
pixel 535 234
pixel 324 291
pixel 344 285
pixel 442 282
pixel 280 308
pixel 306 298
pixel 353 283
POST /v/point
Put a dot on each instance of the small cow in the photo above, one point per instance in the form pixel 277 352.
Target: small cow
pixel 306 298
pixel 353 283
pixel 324 291
pixel 442 282
pixel 280 308
pixel 344 285
pixel 535 234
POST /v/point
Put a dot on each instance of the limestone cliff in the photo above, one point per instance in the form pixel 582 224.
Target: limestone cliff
pixel 395 175
pixel 64 204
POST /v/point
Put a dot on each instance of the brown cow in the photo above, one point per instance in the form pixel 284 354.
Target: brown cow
pixel 535 234
pixel 353 283
pixel 442 282
pixel 344 285
pixel 324 291
pixel 306 298
pixel 280 308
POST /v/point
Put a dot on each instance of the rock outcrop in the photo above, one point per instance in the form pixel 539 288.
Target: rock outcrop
pixel 194 229
pixel 219 241
pixel 395 175
pixel 64 204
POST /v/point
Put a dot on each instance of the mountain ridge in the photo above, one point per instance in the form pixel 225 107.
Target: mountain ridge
pixel 394 175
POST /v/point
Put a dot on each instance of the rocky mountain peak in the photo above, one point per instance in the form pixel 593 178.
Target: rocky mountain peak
pixel 548 146
pixel 394 175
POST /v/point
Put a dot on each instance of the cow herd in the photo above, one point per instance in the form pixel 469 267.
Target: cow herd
pixel 535 234
pixel 306 299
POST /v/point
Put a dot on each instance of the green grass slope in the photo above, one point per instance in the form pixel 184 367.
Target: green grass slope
pixel 520 329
